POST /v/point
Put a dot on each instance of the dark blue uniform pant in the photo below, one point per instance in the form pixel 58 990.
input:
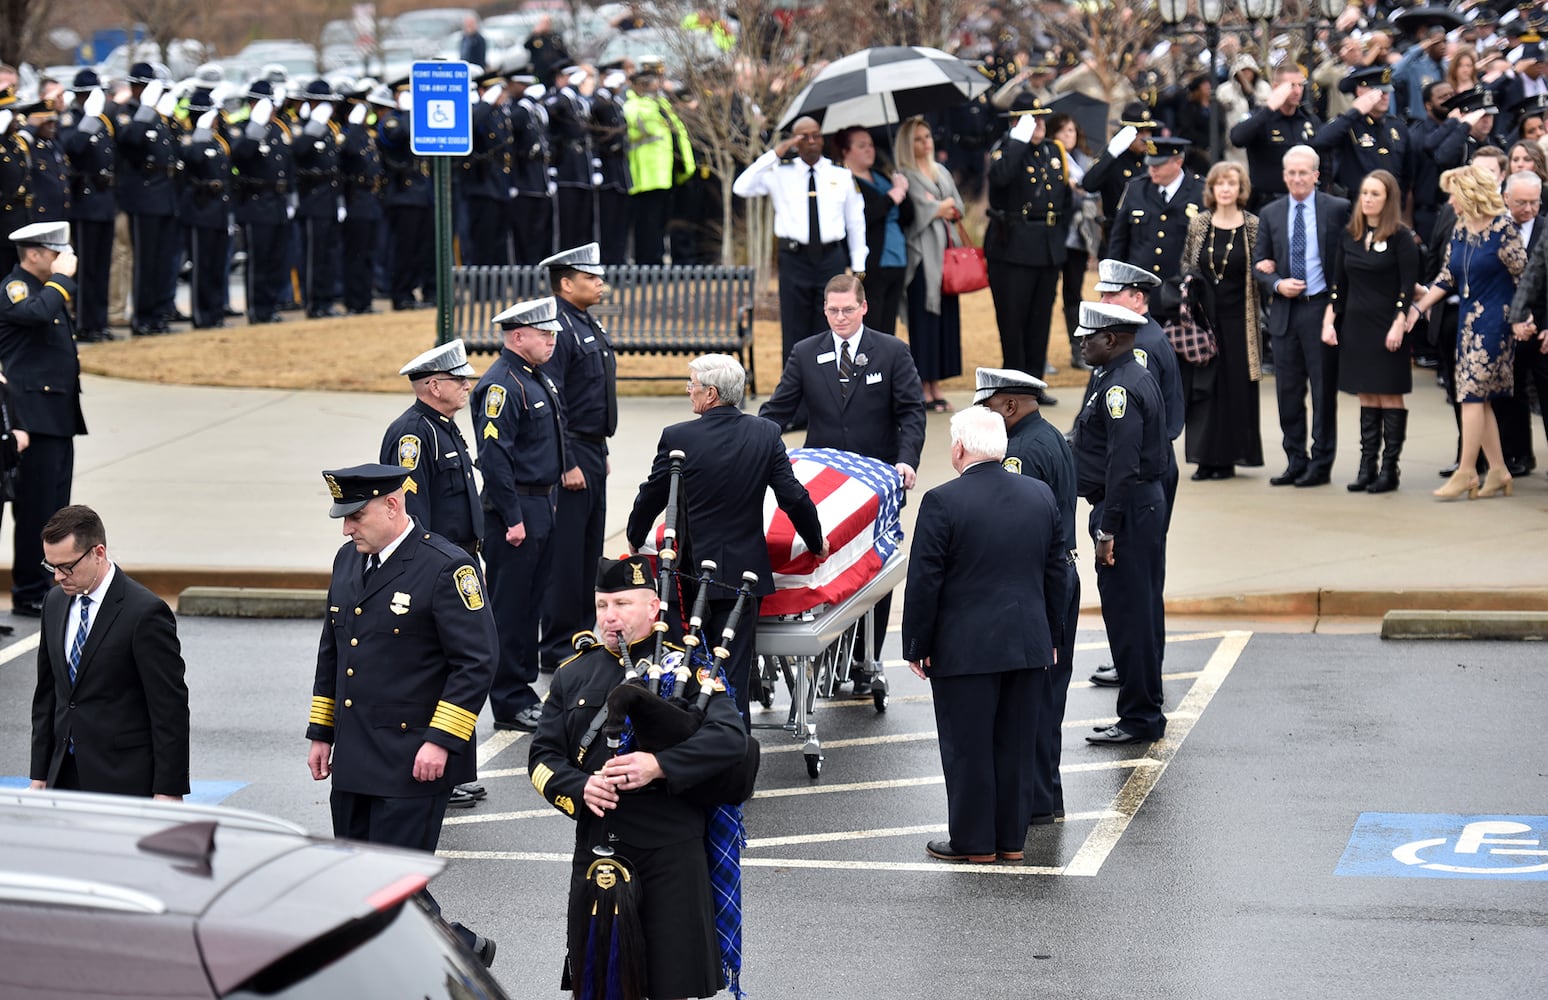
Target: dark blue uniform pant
pixel 649 211
pixel 532 222
pixel 320 248
pixel 43 486
pixel 154 239
pixel 613 225
pixel 577 216
pixel 1134 610
pixel 207 286
pixel 1302 363
pixel 802 276
pixel 489 233
pixel 94 247
pixel 266 270
pixel 569 605
pixel 1047 789
pixel 987 725
pixel 359 235
pixel 413 253
pixel 1023 309
pixel 517 574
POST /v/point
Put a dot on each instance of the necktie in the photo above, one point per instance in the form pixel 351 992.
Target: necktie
pixel 371 562
pixel 846 367
pixel 79 642
pixel 813 223
pixel 1298 243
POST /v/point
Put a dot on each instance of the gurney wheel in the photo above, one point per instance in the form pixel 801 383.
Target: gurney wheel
pixel 813 765
pixel 879 698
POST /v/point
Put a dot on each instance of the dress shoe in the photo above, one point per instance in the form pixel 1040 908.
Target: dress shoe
pixel 1520 467
pixel 1010 855
pixel 1202 473
pixel 367 311
pixel 1105 676
pixel 862 682
pixel 474 789
pixel 1449 470
pixel 526 720
pixel 942 850
pixel 1043 399
pixel 460 800
pixel 27 609
pixel 484 948
pixel 1425 361
pixel 1309 478
pixel 177 317
pixel 230 313
pixel 93 336
pixel 1113 736
pixel 1288 477
pixel 403 306
pixel 1047 819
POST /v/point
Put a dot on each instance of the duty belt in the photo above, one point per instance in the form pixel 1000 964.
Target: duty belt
pixel 1028 217
pixel 589 438
pixel 525 490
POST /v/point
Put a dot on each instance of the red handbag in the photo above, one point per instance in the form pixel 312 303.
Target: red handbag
pixel 964 269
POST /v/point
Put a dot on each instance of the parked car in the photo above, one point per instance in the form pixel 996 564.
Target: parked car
pixel 103 897
pixel 424 29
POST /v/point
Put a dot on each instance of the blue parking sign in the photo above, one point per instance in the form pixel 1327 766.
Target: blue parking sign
pixel 441 117
pixel 1423 845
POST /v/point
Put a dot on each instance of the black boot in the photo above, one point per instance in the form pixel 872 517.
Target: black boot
pixel 1370 445
pixel 1394 430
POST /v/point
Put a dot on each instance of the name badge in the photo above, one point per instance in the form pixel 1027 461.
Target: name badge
pixel 823 359
pixel 539 405
pixel 589 339
pixel 872 378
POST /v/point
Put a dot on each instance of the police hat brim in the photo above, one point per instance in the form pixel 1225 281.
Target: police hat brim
pixel 1159 158
pixel 463 369
pixel 596 269
pixel 1109 286
pixel 344 508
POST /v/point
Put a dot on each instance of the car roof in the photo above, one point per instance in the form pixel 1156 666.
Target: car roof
pixel 255 887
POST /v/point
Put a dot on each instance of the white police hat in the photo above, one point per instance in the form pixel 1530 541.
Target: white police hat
pixel 587 258
pixel 1116 275
pixel 49 235
pixel 451 358
pixel 540 313
pixel 993 380
pixel 1096 317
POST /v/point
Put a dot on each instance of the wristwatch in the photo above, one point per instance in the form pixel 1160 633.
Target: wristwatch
pixel 1104 536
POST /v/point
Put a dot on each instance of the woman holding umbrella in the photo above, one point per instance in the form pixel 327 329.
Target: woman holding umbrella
pixel 934 318
pixel 887 211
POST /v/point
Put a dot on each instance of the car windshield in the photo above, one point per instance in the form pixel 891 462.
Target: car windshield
pixel 412 956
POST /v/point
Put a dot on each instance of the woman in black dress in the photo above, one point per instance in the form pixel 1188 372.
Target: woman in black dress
pixel 1372 285
pixel 1222 393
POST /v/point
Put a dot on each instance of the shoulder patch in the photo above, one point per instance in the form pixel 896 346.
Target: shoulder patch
pixel 408 451
pixel 1117 400
pixel 1140 355
pixel 1013 464
pixel 16 290
pixel 468 589
pixel 494 401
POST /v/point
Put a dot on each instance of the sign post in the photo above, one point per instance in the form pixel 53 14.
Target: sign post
pixel 441 126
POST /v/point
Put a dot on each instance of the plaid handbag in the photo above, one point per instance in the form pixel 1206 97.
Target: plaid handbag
pixel 1189 335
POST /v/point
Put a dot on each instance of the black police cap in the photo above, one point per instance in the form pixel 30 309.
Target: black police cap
pixel 632 573
pixel 357 486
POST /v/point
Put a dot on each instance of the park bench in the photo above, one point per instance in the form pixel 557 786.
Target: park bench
pixel 649 309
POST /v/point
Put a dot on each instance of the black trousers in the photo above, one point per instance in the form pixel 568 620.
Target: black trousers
pixel 43 486
pixel 266 270
pixel 1046 788
pixel 1134 610
pixel 321 248
pixel 413 253
pixel 94 249
pixel 987 724
pixel 1023 309
pixel 580 518
pixel 516 572
pixel 489 231
pixel 155 248
pixel 802 276
pixel 359 235
pixel 1515 413
pixel 532 223
pixel 883 298
pixel 649 211
pixel 577 216
pixel 1072 291
pixel 743 648
pixel 1304 364
pixel 613 225
pixel 211 253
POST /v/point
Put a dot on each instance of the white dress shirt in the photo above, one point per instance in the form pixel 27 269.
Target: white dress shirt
pixel 840 209
pixel 392 546
pixel 73 619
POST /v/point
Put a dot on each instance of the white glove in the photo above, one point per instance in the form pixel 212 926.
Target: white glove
pixel 357 114
pixel 207 120
pixel 317 124
pixel 290 212
pixel 305 112
pixel 1122 140
pixel 536 91
pixel 94 103
pixel 279 95
pixel 202 128
pixel 152 93
pixel 262 112
pixel 5 122
pixel 493 94
pixel 1024 127
pixel 405 101
pixel 343 213
pixel 166 105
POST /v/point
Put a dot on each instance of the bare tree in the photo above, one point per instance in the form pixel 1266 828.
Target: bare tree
pixel 1111 35
pixel 164 20
pixel 21 25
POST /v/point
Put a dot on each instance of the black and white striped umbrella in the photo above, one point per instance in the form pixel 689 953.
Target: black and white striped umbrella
pixel 884 85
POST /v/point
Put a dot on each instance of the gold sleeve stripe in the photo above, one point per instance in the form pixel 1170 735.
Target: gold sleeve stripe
pixel 322 711
pixel 453 719
pixel 540 776
pixel 56 286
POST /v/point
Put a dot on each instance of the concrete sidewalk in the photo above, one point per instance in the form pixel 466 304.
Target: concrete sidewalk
pixel 223 486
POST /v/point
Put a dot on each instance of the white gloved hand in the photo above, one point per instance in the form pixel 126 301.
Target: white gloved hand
pixel 5 121
pixel 493 94
pixel 305 112
pixel 290 212
pixel 405 101
pixel 1024 127
pixel 1122 140
pixel 279 95
pixel 94 103
pixel 317 124
pixel 166 105
pixel 152 93
pixel 357 114
pixel 207 120
pixel 536 91
pixel 323 113
pixel 262 112
pixel 343 213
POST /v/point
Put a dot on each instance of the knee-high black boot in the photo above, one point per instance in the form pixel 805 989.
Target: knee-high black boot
pixel 1394 431
pixel 1370 445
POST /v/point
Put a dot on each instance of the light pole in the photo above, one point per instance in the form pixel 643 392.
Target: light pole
pixel 1173 13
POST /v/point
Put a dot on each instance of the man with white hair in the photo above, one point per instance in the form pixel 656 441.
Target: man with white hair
pixel 983 614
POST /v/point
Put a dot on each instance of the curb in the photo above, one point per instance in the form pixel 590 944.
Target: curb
pixel 1517 625
pixel 251 602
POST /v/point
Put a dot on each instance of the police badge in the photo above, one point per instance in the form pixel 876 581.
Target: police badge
pixel 400 603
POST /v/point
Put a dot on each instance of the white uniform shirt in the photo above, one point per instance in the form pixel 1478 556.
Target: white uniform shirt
pixel 840 209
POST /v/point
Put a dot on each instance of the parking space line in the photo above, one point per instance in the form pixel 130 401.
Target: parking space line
pixel 858 741
pixel 1104 838
pixel 478 817
pixel 901 866
pixel 503 856
pixel 25 644
pixel 499 740
pixel 755 843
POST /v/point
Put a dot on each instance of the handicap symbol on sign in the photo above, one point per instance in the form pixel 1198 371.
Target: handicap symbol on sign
pixel 1490 834
pixel 442 114
pixel 1443 845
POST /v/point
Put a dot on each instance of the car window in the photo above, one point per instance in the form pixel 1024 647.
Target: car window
pixel 410 955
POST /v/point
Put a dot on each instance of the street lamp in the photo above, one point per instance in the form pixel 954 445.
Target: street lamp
pixel 1173 13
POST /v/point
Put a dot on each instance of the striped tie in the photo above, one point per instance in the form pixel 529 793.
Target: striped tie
pixel 79 642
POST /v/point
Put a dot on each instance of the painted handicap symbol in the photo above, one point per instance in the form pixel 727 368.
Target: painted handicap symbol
pixel 1486 837
pixel 1447 845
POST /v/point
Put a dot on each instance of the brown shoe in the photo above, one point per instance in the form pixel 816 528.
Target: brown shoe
pixel 942 850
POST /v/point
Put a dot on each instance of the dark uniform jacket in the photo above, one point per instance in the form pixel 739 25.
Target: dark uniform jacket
pixel 127 712
pixel 569 131
pixel 986 575
pixel 1030 202
pixel 585 371
pixel 1149 232
pixel 1265 135
pixel 93 161
pixel 265 170
pixel 733 458
pixel 147 163
pixel 408 176
pixel 1360 144
pixel 517 418
pixel 1038 449
pixel 1451 144
pixel 1110 175
pixel 1119 440
pixel 15 183
pixel 653 816
pixel 50 181
pixel 406 658
pixel 318 179
pixel 205 202
pixel 610 141
pixel 529 138
pixel 440 493
pixel 882 418
pixel 37 352
pixel 360 169
pixel 486 173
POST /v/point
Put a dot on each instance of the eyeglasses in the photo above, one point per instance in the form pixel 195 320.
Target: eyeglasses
pixel 845 311
pixel 462 379
pixel 697 385
pixel 67 568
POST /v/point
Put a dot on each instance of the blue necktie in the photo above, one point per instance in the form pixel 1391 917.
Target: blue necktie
pixel 80 637
pixel 1298 243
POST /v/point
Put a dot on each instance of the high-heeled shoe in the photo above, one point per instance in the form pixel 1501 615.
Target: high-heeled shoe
pixel 1495 481
pixel 1460 482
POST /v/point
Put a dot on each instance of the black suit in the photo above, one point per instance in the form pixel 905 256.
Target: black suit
pixel 126 715
pixel 1530 302
pixel 986 607
pixel 1301 359
pixel 731 459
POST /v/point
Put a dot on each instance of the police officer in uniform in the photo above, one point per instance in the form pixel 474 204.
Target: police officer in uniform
pixel 87 136
pixel 609 141
pixel 360 169
pixel 1152 221
pixel 1030 201
pixel 532 209
pixel 1035 447
pixel 1119 443
pixel 50 180
pixel 204 207
pixel 319 188
pixel 487 180
pixel 1272 128
pixel 37 352
pixel 569 118
pixel 517 416
pixel 15 176
pixel 632 803
pixel 410 205
pixel 265 171
pixel 147 164
pixel 404 664
pixel 1123 160
pixel 1468 126
pixel 585 371
pixel 1367 137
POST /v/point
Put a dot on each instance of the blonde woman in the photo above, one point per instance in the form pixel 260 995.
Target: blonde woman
pixel 934 319
pixel 1485 258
